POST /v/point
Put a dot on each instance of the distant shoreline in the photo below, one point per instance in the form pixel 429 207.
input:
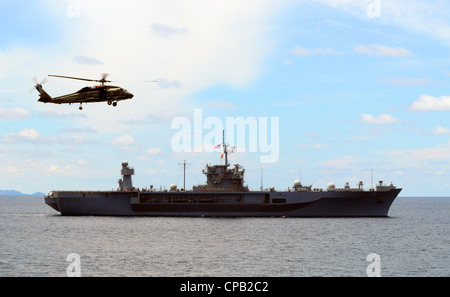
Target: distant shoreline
pixel 17 193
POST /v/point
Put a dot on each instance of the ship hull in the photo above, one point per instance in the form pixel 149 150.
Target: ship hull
pixel 219 204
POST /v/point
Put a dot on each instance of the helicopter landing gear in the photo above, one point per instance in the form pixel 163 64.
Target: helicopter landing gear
pixel 109 102
pixel 81 107
pixel 114 104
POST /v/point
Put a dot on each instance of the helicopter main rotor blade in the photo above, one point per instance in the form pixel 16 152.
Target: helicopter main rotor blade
pixel 70 77
pixel 103 80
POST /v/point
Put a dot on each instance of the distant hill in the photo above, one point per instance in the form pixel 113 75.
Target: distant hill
pixel 17 193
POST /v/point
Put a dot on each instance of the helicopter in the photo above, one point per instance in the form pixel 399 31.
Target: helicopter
pixel 101 93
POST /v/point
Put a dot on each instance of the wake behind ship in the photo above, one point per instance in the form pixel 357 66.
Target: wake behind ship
pixel 224 195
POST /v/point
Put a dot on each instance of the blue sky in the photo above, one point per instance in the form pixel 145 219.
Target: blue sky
pixel 353 91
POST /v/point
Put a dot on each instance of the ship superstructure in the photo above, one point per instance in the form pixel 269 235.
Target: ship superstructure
pixel 221 178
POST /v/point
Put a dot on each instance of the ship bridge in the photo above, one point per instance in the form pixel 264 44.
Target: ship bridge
pixel 220 178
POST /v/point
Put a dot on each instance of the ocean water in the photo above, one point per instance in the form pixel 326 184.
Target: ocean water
pixel 413 241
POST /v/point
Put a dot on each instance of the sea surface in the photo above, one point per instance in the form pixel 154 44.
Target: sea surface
pixel 413 241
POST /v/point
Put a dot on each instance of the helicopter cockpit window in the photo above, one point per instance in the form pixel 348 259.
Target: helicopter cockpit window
pixel 84 90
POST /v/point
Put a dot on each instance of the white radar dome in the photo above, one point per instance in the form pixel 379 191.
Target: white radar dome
pixel 331 186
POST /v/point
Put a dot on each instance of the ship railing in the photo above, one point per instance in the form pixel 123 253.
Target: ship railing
pixel 346 190
pixel 385 188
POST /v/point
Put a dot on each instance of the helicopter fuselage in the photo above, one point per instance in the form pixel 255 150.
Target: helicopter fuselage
pixel 99 93
pixel 110 94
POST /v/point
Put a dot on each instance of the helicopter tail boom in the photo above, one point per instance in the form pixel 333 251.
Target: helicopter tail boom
pixel 44 97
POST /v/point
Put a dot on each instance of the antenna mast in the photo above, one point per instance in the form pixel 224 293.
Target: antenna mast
pixel 184 173
pixel 262 187
pixel 225 148
pixel 371 178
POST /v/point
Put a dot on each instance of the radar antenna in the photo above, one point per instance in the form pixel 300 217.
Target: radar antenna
pixel 225 149
pixel 184 173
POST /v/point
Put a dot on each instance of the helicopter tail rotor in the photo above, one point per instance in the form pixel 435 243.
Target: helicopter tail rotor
pixel 44 97
pixel 37 84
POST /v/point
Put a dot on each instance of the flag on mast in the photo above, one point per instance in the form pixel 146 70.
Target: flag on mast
pixel 217 147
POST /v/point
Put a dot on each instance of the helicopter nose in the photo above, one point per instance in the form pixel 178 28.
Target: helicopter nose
pixel 127 94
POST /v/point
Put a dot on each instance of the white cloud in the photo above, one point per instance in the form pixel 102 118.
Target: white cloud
pixel 398 173
pixel 86 60
pixel 427 154
pixel 66 170
pixel 313 146
pixel 53 169
pixel 78 130
pixel 206 42
pixel 10 170
pixel 382 50
pixel 430 103
pixel 13 113
pixel 302 52
pixel 166 83
pixel 27 135
pixel 429 17
pixel 122 141
pixel 311 134
pixel 344 162
pixel 440 131
pixel 220 104
pixel 380 120
pixel 165 30
pixel 161 118
pixel 154 151
pixel 56 115
pixel 32 135
pixel 12 59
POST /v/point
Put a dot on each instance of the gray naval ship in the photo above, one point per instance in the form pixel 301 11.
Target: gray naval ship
pixel 225 195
